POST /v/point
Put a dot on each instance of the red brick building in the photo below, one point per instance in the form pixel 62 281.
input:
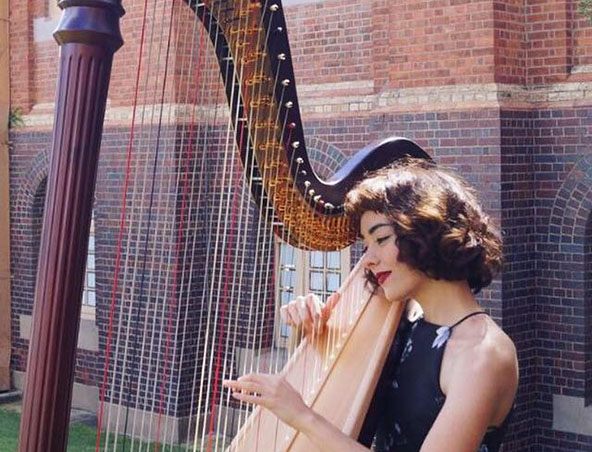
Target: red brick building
pixel 500 90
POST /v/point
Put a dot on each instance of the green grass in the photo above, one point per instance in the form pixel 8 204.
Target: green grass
pixel 9 428
pixel 80 439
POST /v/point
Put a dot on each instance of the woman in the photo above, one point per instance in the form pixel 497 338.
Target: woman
pixel 451 377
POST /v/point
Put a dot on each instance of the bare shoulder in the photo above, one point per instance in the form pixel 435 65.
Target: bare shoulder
pixel 479 345
pixel 481 354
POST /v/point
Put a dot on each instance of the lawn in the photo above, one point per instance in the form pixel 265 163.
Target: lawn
pixel 81 438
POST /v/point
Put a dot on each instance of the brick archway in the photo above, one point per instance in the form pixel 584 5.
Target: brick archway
pixel 325 158
pixel 565 312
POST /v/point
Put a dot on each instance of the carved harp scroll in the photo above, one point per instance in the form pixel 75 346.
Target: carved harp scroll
pixel 250 42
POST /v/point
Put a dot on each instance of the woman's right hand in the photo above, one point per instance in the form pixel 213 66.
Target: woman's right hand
pixel 309 312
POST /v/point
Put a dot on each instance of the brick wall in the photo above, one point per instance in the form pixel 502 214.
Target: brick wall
pixel 510 44
pixel 495 89
pixel 548 37
pixel 563 203
pixel 518 282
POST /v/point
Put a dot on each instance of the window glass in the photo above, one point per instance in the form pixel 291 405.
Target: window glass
pixel 316 259
pixel 334 259
pixel 89 289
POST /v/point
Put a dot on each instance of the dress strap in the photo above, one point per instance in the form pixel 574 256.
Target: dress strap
pixel 467 316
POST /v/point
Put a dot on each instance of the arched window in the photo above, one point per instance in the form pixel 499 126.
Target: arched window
pixel 300 272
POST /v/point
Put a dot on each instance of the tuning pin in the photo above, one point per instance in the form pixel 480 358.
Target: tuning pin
pixel 279 29
pixel 274 7
pixel 281 56
pixel 311 192
pixel 329 206
pixel 300 160
pixel 289 104
pixel 296 144
pixel 307 183
pixel 317 198
pixel 286 82
pixel 303 172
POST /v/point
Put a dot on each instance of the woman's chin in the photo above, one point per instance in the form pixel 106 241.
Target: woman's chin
pixel 380 293
pixel 383 292
pixel 393 296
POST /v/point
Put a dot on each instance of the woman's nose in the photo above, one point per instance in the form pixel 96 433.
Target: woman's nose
pixel 370 259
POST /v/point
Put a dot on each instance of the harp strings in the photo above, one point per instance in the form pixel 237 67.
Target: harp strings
pixel 140 378
pixel 240 54
pixel 135 299
pixel 122 229
pixel 202 152
pixel 217 300
pixel 186 206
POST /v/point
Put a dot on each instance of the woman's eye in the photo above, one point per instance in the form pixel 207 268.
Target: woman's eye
pixel 382 239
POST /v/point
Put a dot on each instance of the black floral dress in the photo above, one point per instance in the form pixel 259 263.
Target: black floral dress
pixel 408 397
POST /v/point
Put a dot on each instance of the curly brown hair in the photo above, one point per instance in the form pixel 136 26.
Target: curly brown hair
pixel 439 225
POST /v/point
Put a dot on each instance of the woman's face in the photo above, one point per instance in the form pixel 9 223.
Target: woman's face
pixel 398 280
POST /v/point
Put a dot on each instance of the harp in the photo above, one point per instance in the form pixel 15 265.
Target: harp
pixel 249 45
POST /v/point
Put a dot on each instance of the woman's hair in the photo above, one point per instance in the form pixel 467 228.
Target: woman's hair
pixel 439 225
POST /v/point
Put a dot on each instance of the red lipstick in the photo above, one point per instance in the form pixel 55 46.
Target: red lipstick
pixel 381 277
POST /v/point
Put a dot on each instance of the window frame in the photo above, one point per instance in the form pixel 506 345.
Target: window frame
pixel 302 279
pixel 87 310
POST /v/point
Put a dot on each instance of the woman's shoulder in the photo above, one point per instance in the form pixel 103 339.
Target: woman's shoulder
pixel 480 351
pixel 481 338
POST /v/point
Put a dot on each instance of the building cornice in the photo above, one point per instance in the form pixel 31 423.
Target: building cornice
pixel 322 100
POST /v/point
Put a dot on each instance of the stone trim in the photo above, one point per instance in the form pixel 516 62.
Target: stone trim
pixel 43 28
pixel 88 335
pixel 173 429
pixel 84 397
pixel 581 69
pixel 571 415
pixel 433 98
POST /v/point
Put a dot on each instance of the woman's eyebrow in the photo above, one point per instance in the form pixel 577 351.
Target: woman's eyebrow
pixel 375 227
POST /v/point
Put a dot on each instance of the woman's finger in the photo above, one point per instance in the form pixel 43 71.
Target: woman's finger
pixel 305 313
pixel 248 398
pixel 315 307
pixel 250 387
pixel 330 305
pixel 294 311
pixel 285 316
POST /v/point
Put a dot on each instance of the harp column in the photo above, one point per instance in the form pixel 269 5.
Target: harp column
pixel 88 35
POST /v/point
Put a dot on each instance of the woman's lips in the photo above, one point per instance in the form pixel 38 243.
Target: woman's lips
pixel 381 277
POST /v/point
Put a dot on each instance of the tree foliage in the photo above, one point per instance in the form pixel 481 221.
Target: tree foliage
pixel 15 118
pixel 585 8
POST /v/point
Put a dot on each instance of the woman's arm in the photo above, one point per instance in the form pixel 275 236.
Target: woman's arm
pixel 277 395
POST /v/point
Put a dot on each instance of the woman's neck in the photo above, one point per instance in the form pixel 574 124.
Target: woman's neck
pixel 445 302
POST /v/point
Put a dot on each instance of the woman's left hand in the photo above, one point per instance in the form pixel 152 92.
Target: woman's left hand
pixel 272 392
